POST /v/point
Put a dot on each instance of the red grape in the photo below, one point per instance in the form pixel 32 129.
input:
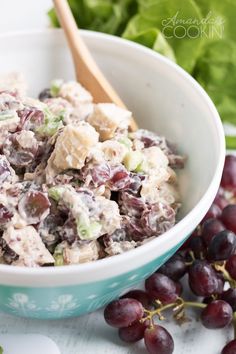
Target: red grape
pixel 5 171
pixel 157 219
pixel 230 348
pixel 229 217
pixel 139 295
pixel 203 279
pixel 18 155
pixel 174 268
pixel 179 288
pixel 230 297
pixel 34 206
pixel 220 201
pixel 213 212
pixel 135 230
pixel 131 205
pixel 158 340
pixel 197 245
pixel 229 173
pixel 30 118
pixel 133 333
pixel 207 300
pixel 124 312
pixel 45 94
pixel 5 214
pixel 186 243
pixel 222 246
pixel 120 178
pixel 49 230
pixel 99 173
pixel 162 288
pixel 135 183
pixel 231 266
pixel 217 314
pixel 69 231
pixel 210 228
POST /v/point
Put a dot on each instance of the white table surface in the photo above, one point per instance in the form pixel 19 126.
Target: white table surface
pixel 89 334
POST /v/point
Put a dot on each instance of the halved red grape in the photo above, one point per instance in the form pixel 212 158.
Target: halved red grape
pixel 134 229
pixel 228 217
pixel 17 154
pixel 157 219
pixel 222 246
pixel 99 174
pixel 231 266
pixel 229 173
pixel 120 178
pixel 34 206
pixel 118 235
pixel 203 279
pixel 217 314
pixel 158 340
pixel 133 333
pixel 5 171
pixel 49 230
pixel 162 288
pixel 123 312
pixel 135 183
pixel 230 348
pixel 131 205
pixel 69 231
pixel 5 214
pixel 30 118
pixel 210 228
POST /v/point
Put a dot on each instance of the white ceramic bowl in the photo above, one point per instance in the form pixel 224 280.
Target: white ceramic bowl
pixel 165 99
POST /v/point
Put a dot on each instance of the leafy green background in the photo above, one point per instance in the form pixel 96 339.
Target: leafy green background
pixel 209 56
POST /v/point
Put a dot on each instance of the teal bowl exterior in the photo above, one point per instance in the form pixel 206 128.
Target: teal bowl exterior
pixel 70 301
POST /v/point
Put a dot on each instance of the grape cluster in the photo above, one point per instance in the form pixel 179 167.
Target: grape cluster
pixel 207 260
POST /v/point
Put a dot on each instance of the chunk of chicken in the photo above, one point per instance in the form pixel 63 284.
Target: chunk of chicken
pixel 107 118
pixel 73 146
pixel 75 93
pixel 27 243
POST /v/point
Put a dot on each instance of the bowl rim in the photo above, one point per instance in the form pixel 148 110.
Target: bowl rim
pixel 114 261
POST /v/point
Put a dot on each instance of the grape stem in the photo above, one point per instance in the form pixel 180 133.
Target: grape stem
pixel 178 305
pixel 227 277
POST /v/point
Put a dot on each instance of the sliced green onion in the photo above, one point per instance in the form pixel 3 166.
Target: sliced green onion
pixel 87 230
pixel 58 256
pixel 5 115
pixel 55 87
pixel 132 160
pixel 56 193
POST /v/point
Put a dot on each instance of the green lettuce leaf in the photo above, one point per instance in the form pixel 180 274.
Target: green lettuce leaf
pixel 223 15
pixel 216 72
pixel 172 19
pixel 144 32
pixel 110 16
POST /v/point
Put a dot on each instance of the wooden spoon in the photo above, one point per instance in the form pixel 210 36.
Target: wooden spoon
pixel 87 71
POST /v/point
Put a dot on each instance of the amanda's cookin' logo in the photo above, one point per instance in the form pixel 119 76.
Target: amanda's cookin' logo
pixel 209 27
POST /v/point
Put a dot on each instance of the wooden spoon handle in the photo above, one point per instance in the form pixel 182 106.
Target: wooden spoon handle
pixel 87 71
